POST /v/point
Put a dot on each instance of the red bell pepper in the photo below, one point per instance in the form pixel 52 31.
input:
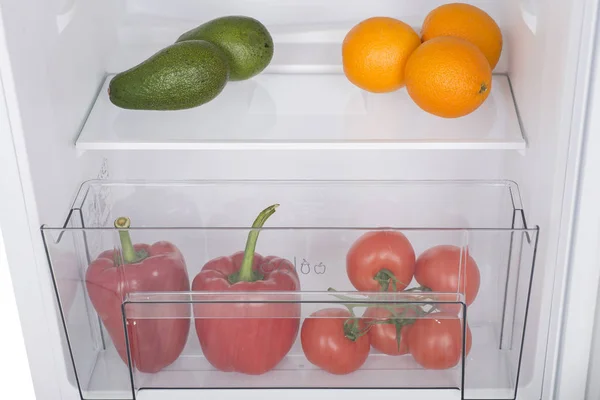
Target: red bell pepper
pixel 251 338
pixel 154 343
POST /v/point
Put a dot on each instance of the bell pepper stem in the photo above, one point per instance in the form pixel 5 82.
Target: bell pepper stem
pixel 129 254
pixel 245 273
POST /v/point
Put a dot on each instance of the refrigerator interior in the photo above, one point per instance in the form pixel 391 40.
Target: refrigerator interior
pixel 58 54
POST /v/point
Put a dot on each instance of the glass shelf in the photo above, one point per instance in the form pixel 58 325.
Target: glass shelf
pixel 303 111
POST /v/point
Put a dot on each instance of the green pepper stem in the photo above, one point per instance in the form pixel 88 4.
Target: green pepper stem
pixel 245 272
pixel 129 253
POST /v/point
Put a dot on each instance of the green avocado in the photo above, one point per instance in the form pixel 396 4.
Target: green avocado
pixel 180 76
pixel 245 41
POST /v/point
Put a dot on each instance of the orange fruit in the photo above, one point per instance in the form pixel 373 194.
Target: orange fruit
pixel 375 51
pixel 448 77
pixel 467 22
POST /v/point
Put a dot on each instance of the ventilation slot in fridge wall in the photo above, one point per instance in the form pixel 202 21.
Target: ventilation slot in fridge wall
pixel 182 337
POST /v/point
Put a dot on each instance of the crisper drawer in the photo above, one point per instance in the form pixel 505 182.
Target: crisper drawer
pixel 382 285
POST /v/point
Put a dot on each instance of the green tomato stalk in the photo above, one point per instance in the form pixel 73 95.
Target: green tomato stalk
pixel 353 331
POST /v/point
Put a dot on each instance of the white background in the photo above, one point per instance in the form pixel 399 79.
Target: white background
pixel 15 377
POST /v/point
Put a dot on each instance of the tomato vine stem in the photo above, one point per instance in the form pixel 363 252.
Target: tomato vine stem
pixel 352 330
pixel 385 277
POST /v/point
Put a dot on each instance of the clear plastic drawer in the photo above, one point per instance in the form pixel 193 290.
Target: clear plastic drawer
pixel 156 293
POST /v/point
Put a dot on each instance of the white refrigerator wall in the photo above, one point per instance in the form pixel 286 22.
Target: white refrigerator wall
pixel 55 54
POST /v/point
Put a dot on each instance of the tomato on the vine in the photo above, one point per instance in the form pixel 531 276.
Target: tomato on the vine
pixel 381 261
pixel 388 331
pixel 438 269
pixel 435 341
pixel 334 340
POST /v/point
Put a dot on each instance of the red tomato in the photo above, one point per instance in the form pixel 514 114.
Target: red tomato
pixel 435 341
pixel 381 260
pixel 383 337
pixel 438 268
pixel 325 344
